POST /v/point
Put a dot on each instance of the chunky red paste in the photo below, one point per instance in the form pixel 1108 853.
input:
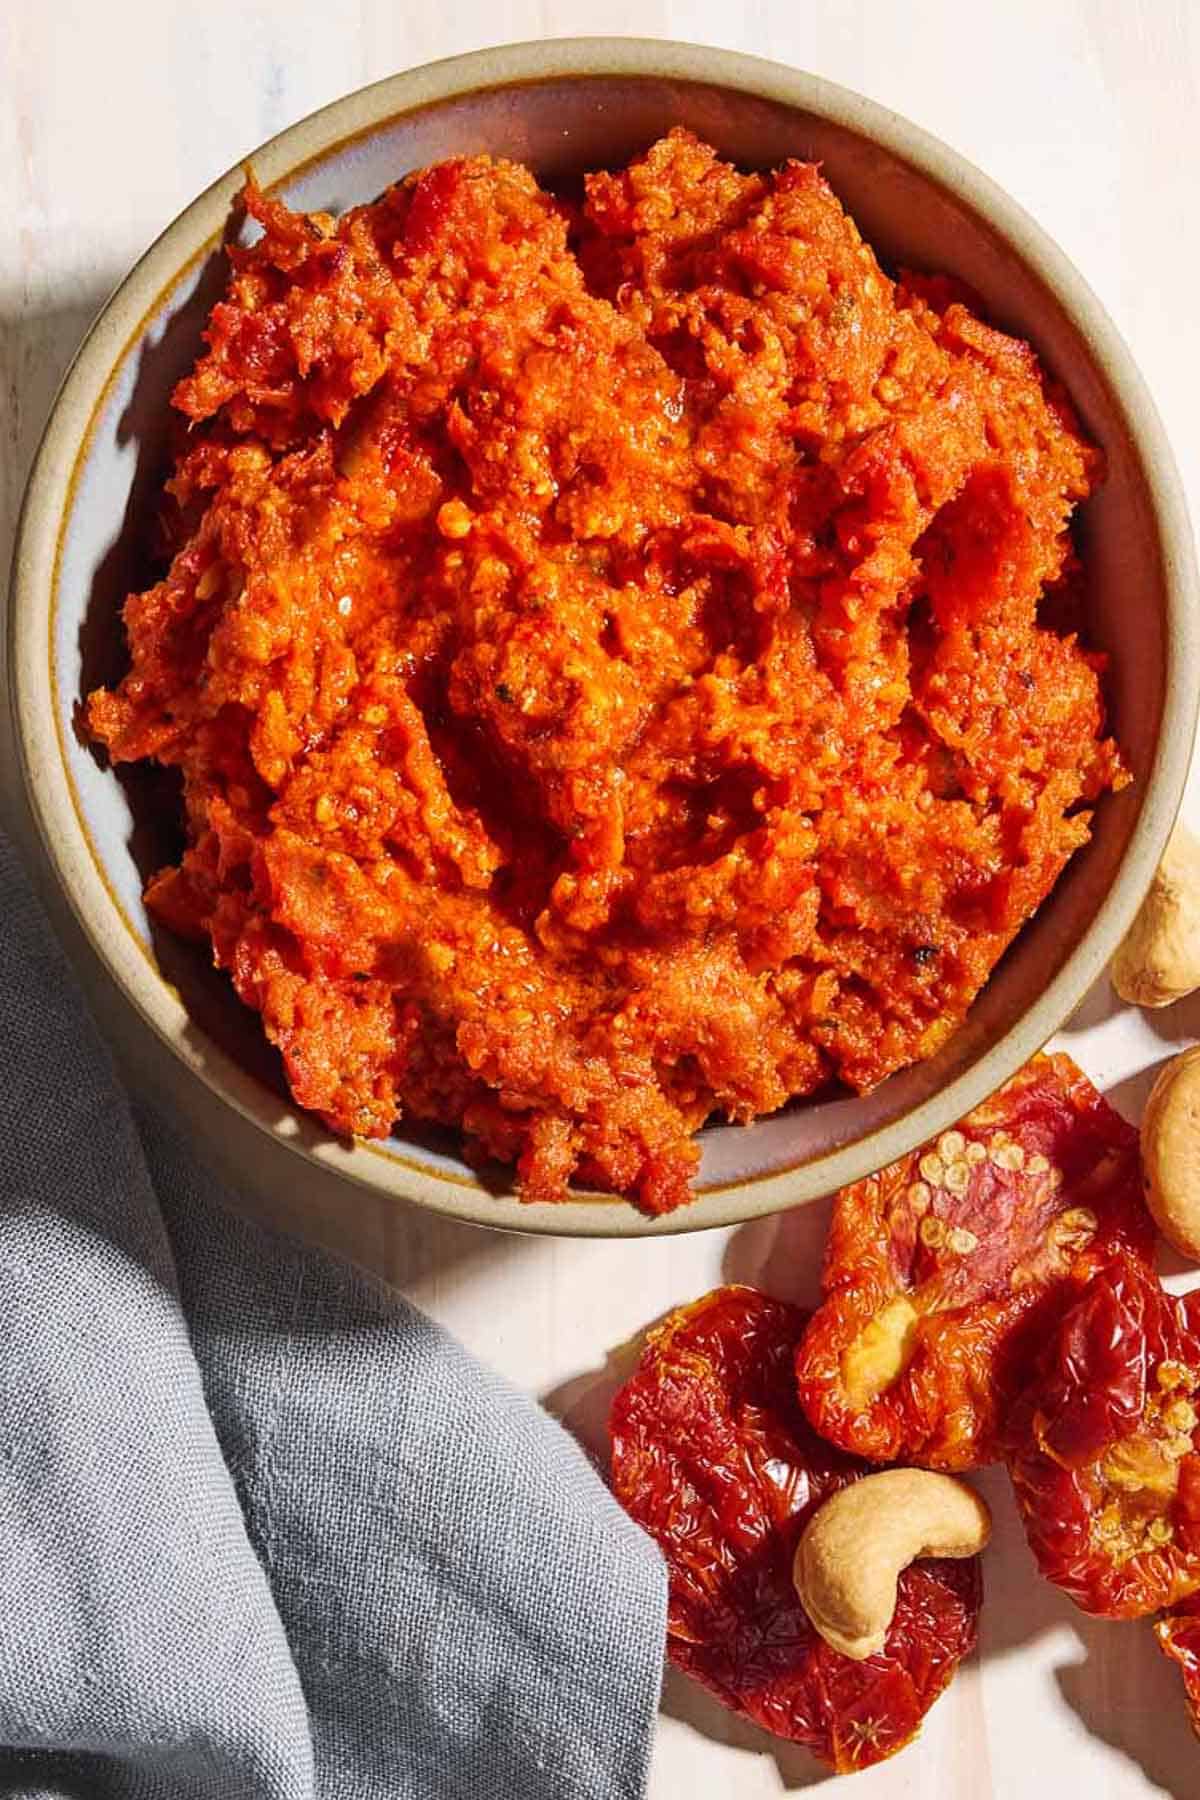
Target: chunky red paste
pixel 619 655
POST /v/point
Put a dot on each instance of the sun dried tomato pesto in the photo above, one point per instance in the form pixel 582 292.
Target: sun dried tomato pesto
pixel 617 654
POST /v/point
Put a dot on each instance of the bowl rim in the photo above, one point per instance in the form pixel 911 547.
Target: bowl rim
pixel 64 839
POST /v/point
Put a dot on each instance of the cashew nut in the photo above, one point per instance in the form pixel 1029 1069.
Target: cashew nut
pixel 853 1549
pixel 1159 960
pixel 1171 1152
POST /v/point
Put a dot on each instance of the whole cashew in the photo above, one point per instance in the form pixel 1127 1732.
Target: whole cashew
pixel 1171 1152
pixel 1159 960
pixel 852 1550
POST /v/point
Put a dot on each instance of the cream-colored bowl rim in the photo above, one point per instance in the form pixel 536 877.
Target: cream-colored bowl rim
pixel 49 496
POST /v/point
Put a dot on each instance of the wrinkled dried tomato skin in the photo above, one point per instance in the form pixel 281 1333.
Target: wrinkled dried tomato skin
pixel 971 1252
pixel 1106 1470
pixel 606 658
pixel 1178 1634
pixel 712 1456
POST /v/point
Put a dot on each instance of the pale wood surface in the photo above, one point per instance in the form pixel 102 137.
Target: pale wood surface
pixel 112 117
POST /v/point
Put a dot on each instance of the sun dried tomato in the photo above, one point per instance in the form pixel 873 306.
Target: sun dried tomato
pixel 1178 1635
pixel 944 1272
pixel 713 1457
pixel 1106 1466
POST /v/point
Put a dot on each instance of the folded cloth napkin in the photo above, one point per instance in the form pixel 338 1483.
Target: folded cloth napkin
pixel 267 1533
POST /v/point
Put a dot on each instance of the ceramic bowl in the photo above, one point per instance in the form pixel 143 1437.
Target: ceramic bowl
pixel 561 107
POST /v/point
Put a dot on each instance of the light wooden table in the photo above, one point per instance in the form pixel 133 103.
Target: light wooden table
pixel 112 117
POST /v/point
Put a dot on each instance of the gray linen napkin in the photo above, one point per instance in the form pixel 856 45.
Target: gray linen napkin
pixel 267 1533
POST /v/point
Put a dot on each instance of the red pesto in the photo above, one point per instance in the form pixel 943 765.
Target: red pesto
pixel 620 657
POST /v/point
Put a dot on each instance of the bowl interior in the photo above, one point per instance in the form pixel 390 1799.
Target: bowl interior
pixel 560 127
